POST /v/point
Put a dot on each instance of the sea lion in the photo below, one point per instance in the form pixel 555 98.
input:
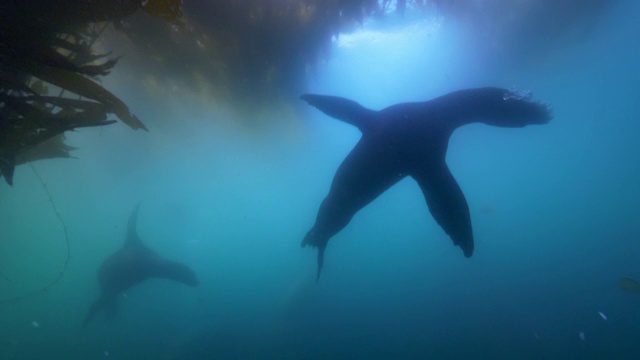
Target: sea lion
pixel 131 265
pixel 411 139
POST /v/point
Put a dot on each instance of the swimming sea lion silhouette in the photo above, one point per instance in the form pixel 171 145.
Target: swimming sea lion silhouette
pixel 411 139
pixel 131 265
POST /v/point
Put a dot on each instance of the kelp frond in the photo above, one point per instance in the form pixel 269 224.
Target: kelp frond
pixel 45 47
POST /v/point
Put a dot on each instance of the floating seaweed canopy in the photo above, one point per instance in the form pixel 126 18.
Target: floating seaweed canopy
pixel 257 52
pixel 241 52
pixel 42 44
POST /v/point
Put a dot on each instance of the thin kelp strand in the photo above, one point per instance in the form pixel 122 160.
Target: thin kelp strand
pixel 67 243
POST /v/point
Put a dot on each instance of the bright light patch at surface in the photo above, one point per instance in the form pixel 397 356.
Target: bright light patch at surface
pixel 403 36
pixel 407 60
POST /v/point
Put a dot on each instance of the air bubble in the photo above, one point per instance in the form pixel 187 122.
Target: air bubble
pixel 514 94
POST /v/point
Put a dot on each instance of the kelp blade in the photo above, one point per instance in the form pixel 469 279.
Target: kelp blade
pixel 82 86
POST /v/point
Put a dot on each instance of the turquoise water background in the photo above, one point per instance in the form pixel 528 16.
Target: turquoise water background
pixel 554 209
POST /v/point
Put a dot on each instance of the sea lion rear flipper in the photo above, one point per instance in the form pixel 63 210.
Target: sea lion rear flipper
pixel 311 239
pixel 340 108
pixel 132 233
pixel 7 167
pixel 321 250
pixel 112 308
pixel 447 205
pixel 109 304
pixel 96 306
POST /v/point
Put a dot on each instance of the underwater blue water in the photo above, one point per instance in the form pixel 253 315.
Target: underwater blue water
pixel 554 209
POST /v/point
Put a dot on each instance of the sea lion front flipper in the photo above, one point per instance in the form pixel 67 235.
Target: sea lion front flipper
pixel 447 204
pixel 343 109
pixel 172 270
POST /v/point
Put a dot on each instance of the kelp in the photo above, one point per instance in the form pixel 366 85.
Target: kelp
pixel 29 120
pixel 65 15
pixel 169 10
pixel 54 148
pixel 65 265
pixel 78 84
pixel 45 47
pixel 254 52
pixel 259 51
